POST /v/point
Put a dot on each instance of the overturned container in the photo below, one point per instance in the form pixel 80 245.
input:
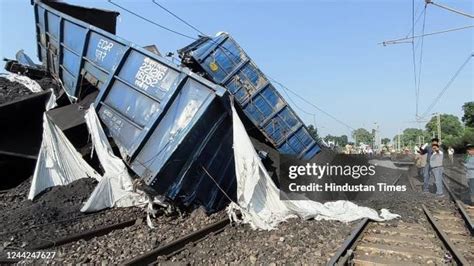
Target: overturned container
pixel 172 127
pixel 223 61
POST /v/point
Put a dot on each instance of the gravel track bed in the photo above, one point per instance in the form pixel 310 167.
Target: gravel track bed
pixel 26 224
pixel 122 245
pixel 53 214
pixel 306 242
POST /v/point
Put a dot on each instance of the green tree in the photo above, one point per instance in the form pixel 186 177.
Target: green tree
pixel 468 117
pixel 313 131
pixel 412 136
pixel 450 126
pixel 341 141
pixel 362 135
pixel 385 141
pixel 459 142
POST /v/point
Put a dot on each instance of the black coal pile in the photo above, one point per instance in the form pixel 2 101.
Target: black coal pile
pixel 47 83
pixel 10 91
pixel 18 217
pixel 13 198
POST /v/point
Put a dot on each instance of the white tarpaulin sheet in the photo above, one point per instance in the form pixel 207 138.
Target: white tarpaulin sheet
pixel 258 199
pixel 32 85
pixel 58 161
pixel 115 189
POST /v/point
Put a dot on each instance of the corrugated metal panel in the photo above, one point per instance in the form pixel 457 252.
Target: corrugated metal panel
pixel 225 63
pixel 169 123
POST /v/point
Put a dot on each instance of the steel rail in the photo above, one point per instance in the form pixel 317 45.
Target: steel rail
pixel 457 255
pixel 460 206
pixel 343 253
pixel 397 179
pixel 178 244
pixel 86 235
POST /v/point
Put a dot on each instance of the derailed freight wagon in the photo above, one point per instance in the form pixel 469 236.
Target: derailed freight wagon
pixel 173 128
pixel 223 61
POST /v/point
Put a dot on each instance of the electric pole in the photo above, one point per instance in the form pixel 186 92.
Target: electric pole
pixel 398 144
pixel 439 127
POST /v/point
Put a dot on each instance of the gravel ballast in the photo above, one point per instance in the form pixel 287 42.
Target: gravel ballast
pixel 296 240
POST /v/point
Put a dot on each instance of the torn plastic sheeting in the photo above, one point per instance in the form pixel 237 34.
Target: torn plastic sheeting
pixel 32 85
pixel 58 161
pixel 115 189
pixel 258 199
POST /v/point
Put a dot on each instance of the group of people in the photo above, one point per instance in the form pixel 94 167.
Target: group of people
pixel 429 161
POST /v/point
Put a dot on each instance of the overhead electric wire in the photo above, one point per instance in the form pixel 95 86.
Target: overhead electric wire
pixel 151 21
pixel 402 40
pixel 310 103
pixel 176 16
pixel 417 19
pixel 413 52
pixel 294 103
pixel 420 63
pixel 187 36
pixel 435 101
pixel 450 9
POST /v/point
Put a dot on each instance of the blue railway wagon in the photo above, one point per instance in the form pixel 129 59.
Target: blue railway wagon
pixel 223 61
pixel 172 126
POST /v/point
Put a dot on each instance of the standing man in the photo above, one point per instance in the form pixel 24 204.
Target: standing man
pixel 451 155
pixel 436 165
pixel 420 162
pixel 469 163
pixel 426 173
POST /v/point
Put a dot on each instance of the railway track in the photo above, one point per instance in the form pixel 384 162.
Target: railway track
pixel 179 244
pixel 466 212
pixel 86 235
pixel 378 243
pixel 442 235
pixel 47 244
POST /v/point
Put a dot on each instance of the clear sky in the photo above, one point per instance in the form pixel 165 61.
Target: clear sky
pixel 326 51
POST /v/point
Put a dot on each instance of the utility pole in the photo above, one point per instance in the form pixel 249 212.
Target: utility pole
pixel 438 120
pixel 398 142
pixel 439 127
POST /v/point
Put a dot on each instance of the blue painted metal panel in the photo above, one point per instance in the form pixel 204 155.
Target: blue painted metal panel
pixel 224 62
pixel 168 122
pixel 73 33
pixel 104 51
